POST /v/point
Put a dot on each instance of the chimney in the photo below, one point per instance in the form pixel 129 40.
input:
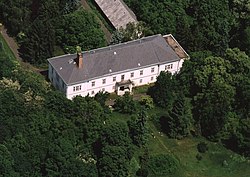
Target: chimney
pixel 79 59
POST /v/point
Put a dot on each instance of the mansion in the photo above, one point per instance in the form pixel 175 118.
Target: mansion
pixel 116 68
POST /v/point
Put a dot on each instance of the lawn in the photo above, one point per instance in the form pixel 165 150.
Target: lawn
pixel 216 162
pixel 5 48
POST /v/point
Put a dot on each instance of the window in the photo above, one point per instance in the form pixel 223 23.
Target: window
pixel 152 70
pixel 93 92
pixel 132 74
pixel 104 81
pixel 103 89
pixel 93 83
pixel 77 88
pixel 170 66
pixel 114 79
pixel 122 77
pixel 152 78
pixel 140 80
pixel 141 72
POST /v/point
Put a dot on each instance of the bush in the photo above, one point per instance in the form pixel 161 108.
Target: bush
pixel 163 165
pixel 125 104
pixel 202 147
pixel 147 102
pixel 198 157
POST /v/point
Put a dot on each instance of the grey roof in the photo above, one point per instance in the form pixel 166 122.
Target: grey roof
pixel 139 53
pixel 117 12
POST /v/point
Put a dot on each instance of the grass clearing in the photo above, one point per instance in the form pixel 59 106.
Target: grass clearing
pixel 141 89
pixel 216 162
pixel 6 49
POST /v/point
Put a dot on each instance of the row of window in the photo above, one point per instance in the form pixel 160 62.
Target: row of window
pixel 122 77
pixel 77 88
pixel 170 66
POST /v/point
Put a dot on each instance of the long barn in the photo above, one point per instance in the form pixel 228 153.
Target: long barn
pixel 117 12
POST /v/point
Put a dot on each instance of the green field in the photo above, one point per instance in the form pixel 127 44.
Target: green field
pixel 216 162
pixel 5 48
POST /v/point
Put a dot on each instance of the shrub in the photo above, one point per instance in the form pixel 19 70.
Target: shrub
pixel 147 102
pixel 202 147
pixel 125 104
pixel 198 157
pixel 163 165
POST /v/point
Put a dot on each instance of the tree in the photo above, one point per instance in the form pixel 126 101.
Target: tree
pixel 240 75
pixel 163 165
pixel 134 31
pixel 163 90
pixel 240 31
pixel 6 162
pixel 212 23
pixel 101 97
pixel 125 104
pixel 147 102
pixel 113 162
pixel 115 134
pixel 138 129
pixel 211 92
pixel 179 119
pixel 115 151
pixel 39 42
pixel 79 28
pixel 116 37
pixel 16 15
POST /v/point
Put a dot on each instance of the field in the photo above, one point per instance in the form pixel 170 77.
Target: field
pixel 5 48
pixel 216 162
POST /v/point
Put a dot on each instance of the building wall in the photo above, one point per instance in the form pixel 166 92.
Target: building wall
pixel 56 80
pixel 149 76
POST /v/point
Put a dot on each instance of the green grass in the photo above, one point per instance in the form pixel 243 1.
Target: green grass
pixel 6 48
pixel 141 89
pixel 211 164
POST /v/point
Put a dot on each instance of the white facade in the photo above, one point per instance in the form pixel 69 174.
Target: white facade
pixel 139 76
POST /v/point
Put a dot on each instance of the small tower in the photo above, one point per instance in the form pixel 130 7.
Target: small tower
pixel 79 59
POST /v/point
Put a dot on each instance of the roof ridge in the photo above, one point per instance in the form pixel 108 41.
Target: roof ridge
pixel 122 44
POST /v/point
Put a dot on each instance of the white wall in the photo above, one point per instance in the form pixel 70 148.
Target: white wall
pixel 147 78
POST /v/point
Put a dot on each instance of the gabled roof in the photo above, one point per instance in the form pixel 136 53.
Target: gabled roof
pixel 118 58
pixel 117 12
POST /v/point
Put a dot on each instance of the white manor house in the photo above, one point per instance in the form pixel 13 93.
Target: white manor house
pixel 116 68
